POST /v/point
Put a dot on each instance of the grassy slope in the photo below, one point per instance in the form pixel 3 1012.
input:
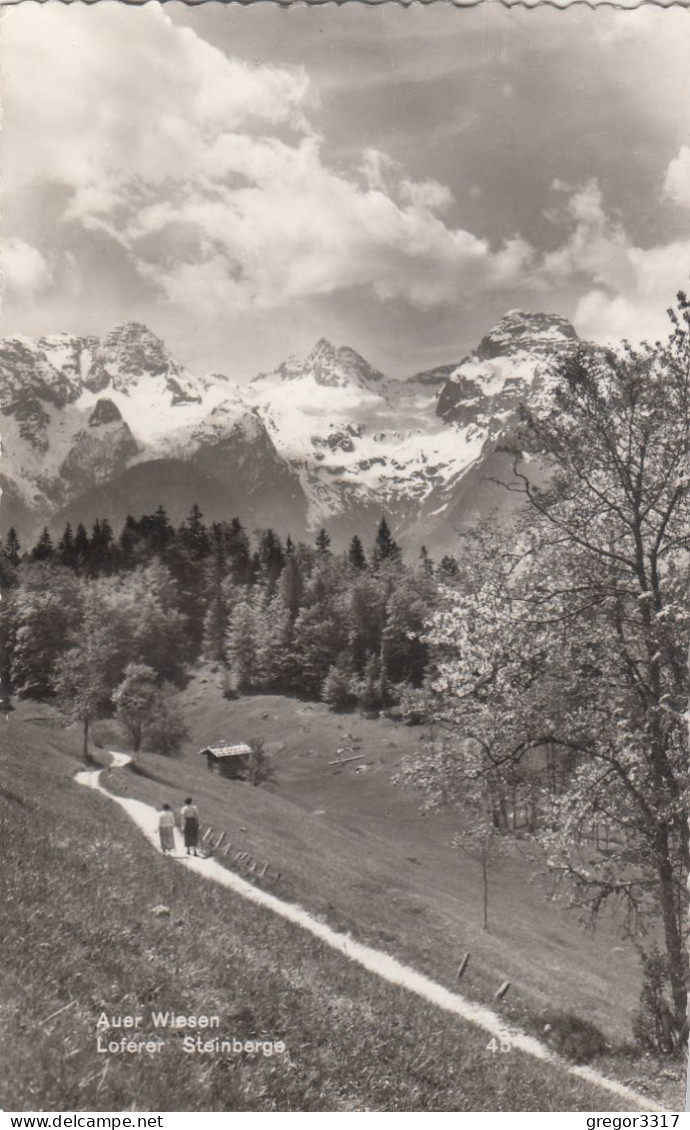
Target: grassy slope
pixel 355 850
pixel 79 886
pixel 354 847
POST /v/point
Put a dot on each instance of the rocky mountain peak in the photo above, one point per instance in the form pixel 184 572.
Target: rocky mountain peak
pixel 130 353
pixel 330 366
pixel 105 412
pixel 511 362
pixel 339 366
pixel 518 331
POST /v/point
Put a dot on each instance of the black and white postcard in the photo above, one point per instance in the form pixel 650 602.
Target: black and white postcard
pixel 345 534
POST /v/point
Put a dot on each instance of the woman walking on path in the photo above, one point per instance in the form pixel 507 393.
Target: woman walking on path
pixel 190 825
pixel 166 826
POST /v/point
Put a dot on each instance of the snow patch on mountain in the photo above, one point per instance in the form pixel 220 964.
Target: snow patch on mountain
pixel 329 434
pixel 354 436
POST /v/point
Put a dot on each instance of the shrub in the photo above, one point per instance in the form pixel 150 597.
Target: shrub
pixel 165 729
pixel 229 690
pixel 573 1038
pixel 337 689
pixel 413 705
pixel 258 768
pixel 370 694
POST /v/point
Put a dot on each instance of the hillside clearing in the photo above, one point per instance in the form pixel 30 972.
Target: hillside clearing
pixel 80 929
pixel 375 961
pixel 355 850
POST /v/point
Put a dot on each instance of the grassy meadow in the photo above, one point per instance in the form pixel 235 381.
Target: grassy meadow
pixel 84 933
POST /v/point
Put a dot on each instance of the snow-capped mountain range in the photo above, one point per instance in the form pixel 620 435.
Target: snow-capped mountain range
pixel 93 427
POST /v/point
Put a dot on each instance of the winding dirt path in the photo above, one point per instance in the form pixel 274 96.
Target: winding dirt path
pixel 376 961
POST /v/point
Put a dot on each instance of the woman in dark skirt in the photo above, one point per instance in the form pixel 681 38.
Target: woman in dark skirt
pixel 190 826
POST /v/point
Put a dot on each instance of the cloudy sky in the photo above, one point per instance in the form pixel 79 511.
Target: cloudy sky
pixel 245 180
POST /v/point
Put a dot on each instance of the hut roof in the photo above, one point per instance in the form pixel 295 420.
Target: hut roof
pixel 225 750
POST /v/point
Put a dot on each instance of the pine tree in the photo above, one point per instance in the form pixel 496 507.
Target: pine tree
pixel 8 572
pixel 100 548
pixel 239 553
pixel 277 667
pixel 12 547
pixel 43 550
pixel 127 541
pixel 291 585
pixel 448 568
pixel 320 628
pixel 82 547
pixel 425 562
pixel 366 616
pixel 241 645
pixel 193 534
pixel 161 533
pixel 323 542
pixel 221 596
pixel 355 555
pixel 65 549
pixel 271 558
pixel 385 547
pixel 403 654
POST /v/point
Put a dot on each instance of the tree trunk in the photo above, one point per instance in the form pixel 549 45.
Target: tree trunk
pixel 485 877
pixel 87 755
pixel 672 934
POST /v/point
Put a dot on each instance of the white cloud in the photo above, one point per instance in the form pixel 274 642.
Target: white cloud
pixel 210 174
pixel 119 94
pixel 677 182
pixel 628 288
pixel 25 272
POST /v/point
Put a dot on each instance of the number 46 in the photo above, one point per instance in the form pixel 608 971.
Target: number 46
pixel 502 1044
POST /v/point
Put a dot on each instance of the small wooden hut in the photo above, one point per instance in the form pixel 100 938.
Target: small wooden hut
pixel 229 760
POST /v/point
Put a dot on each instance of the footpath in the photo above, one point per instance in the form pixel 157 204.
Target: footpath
pixel 376 961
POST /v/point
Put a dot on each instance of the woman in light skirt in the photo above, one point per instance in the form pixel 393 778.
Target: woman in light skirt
pixel 166 829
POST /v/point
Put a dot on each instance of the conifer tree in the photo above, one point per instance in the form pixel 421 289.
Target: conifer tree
pixel 425 562
pixel 241 645
pixel 161 532
pixel 291 585
pixel 82 546
pixel 355 554
pixel 65 549
pixel 13 549
pixel 193 534
pixel 448 568
pixel 270 557
pixel 100 548
pixel 323 542
pixel 239 553
pixel 127 542
pixel 385 547
pixel 43 550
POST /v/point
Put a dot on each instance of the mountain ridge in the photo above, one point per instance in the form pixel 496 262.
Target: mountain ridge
pixel 328 440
